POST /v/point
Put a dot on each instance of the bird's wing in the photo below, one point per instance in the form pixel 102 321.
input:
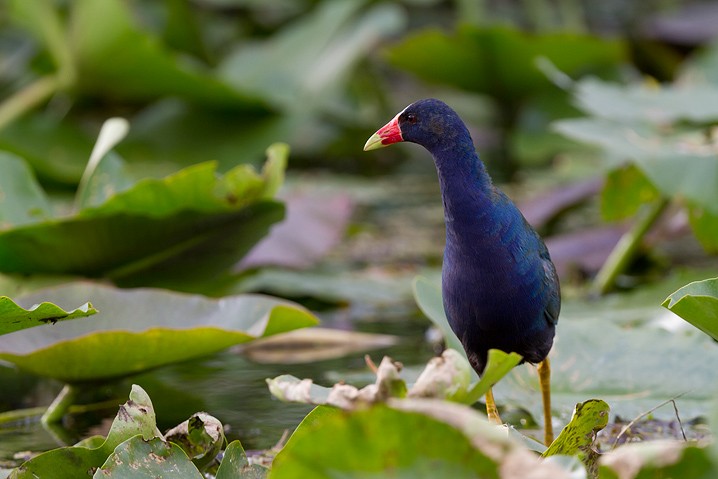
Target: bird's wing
pixel 553 306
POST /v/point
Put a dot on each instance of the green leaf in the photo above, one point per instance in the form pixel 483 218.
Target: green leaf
pixel 33 137
pixel 594 357
pixel 311 58
pixel 507 54
pixel 402 444
pixel 577 438
pixel 701 66
pixel 235 465
pixel 201 437
pixel 658 459
pixel 138 458
pixel 46 25
pixel 22 200
pixel 639 102
pixel 156 231
pixel 625 190
pixel 499 365
pixel 697 303
pixel 679 165
pixel 588 419
pixel 142 329
pixel 14 318
pixel 116 59
pixel 135 418
pixel 704 223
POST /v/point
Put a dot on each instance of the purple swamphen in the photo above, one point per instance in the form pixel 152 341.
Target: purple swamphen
pixel 500 288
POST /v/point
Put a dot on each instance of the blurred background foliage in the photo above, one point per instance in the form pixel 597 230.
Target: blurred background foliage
pixel 220 80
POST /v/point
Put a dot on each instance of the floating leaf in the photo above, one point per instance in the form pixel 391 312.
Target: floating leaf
pixel 607 349
pixel 135 418
pixel 419 438
pixel 365 286
pixel 22 201
pixel 697 303
pixel 452 59
pixel 679 165
pixel 309 345
pixel 201 437
pixel 116 59
pixel 142 329
pixel 593 357
pixel 138 458
pixel 654 459
pixel 236 466
pixel 157 230
pixel 650 102
pixel 577 438
pixel 704 222
pixel 626 189
pixel 499 364
pixel 389 440
pixel 14 318
pixel 309 58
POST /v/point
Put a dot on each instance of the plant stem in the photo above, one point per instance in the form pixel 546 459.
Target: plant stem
pixel 625 250
pixel 33 413
pixel 28 98
pixel 60 405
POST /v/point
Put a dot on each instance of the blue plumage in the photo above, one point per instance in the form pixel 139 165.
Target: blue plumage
pixel 499 285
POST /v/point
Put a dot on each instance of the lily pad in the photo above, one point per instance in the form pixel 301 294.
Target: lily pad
pixel 311 56
pixel 141 329
pixel 236 466
pixel 201 437
pixel 407 438
pixel 14 318
pixel 452 59
pixel 407 444
pixel 116 59
pixel 135 418
pixel 157 230
pixel 22 199
pixel 654 459
pixel 589 417
pixel 697 303
pixel 138 458
pixel 579 435
pixel 607 349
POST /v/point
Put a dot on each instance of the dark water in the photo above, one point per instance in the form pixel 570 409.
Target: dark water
pixel 226 385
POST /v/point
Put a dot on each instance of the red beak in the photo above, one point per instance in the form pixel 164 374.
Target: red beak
pixel 386 135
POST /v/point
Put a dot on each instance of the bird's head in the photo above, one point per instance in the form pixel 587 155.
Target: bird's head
pixel 428 123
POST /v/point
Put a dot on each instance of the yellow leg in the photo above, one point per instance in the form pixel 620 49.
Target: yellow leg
pixel 491 410
pixel 544 372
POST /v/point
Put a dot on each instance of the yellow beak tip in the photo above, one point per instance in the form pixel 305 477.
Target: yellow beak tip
pixel 373 143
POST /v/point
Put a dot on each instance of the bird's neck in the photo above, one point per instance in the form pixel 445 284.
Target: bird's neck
pixel 466 188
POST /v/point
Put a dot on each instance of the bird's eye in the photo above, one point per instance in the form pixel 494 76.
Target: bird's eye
pixel 411 118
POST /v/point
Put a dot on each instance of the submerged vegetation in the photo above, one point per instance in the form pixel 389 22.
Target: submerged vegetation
pixel 183 198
